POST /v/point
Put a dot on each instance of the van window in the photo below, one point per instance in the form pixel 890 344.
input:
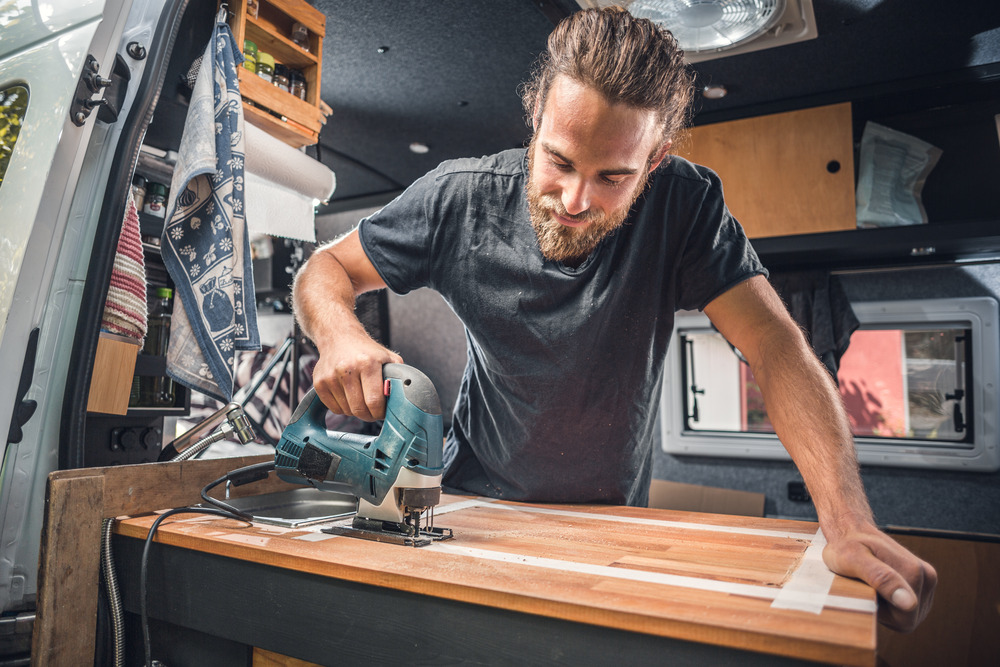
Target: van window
pixel 13 104
pixel 918 383
pixel 895 383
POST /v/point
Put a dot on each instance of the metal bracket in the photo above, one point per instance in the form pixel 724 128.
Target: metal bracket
pixel 90 83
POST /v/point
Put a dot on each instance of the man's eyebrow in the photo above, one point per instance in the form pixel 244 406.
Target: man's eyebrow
pixel 621 171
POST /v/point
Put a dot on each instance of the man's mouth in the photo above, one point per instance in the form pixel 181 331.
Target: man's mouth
pixel 569 222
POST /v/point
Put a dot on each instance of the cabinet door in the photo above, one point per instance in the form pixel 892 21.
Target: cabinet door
pixel 786 173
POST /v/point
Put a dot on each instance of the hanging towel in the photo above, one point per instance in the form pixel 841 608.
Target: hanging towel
pixel 125 306
pixel 205 246
pixel 818 303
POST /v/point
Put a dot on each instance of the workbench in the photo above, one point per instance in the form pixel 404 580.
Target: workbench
pixel 518 584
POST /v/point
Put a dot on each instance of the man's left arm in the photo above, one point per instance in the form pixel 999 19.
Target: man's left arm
pixel 806 410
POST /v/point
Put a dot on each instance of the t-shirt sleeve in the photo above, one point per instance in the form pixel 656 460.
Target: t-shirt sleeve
pixel 398 238
pixel 717 255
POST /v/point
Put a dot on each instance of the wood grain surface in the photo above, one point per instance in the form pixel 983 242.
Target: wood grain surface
pixel 634 569
pixel 786 173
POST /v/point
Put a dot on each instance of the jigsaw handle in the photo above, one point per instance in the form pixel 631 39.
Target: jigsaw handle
pixel 417 387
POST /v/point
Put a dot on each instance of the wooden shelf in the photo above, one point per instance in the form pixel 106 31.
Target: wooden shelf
pixel 298 122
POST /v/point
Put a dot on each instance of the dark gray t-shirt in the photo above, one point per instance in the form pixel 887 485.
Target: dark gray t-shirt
pixel 558 399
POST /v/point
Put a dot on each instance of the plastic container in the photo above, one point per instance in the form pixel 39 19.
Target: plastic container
pixel 158 390
pixel 265 66
pixel 156 200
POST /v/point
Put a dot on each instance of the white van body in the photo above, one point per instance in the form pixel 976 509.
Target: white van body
pixel 64 185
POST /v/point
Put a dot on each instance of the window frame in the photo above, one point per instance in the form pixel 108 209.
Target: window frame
pixel 980 314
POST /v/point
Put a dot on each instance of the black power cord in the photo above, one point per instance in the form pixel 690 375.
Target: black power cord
pixel 237 477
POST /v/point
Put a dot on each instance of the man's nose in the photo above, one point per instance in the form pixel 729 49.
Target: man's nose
pixel 576 196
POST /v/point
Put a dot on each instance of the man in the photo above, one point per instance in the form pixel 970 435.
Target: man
pixel 566 263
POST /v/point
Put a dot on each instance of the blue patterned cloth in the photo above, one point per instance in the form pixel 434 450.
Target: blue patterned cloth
pixel 205 246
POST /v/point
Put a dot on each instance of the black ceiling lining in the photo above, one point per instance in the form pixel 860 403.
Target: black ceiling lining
pixel 446 53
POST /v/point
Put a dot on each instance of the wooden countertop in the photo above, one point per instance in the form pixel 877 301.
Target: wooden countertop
pixel 705 578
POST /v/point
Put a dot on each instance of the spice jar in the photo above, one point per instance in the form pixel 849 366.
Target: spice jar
pixel 300 35
pixel 265 66
pixel 281 78
pixel 250 55
pixel 156 200
pixel 297 83
pixel 139 191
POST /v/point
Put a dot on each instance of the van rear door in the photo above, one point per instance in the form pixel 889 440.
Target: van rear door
pixel 52 196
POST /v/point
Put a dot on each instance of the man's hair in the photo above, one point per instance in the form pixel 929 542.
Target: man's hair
pixel 628 60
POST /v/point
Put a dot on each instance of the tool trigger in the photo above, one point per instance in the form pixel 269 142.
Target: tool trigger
pixel 386 387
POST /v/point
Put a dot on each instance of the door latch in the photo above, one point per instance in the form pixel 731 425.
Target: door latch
pixel 91 82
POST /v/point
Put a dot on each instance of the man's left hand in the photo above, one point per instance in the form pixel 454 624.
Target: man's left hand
pixel 904 582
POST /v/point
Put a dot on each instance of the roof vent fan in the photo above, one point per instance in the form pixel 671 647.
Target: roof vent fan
pixel 708 29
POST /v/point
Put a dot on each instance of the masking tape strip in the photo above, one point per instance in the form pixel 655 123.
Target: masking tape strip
pixel 809 586
pixel 628 519
pixel 727 587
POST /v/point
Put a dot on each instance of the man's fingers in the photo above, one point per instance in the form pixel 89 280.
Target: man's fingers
pixel 904 582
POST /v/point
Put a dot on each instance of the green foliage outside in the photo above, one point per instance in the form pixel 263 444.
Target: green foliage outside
pixel 13 103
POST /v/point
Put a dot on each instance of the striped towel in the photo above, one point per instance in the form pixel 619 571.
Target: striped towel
pixel 125 307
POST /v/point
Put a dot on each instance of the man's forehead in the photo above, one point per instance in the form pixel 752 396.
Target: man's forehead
pixel 578 122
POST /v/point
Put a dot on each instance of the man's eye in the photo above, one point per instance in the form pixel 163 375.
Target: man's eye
pixel 612 180
pixel 562 166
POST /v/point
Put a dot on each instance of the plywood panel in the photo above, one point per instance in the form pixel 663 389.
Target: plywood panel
pixel 776 169
pixel 697 577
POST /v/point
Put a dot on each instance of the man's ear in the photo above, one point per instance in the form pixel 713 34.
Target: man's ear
pixel 660 154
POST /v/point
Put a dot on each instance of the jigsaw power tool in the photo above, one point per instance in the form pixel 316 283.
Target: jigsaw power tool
pixel 396 475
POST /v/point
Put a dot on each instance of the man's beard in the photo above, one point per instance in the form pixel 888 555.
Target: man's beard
pixel 560 243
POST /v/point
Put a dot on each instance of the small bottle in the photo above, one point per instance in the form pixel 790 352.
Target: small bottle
pixel 280 78
pixel 156 200
pixel 250 55
pixel 253 8
pixel 265 66
pixel 300 35
pixel 158 390
pixel 139 191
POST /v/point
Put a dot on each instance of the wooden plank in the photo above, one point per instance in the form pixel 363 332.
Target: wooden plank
pixel 276 99
pixel 302 12
pixel 76 502
pixel 774 169
pixel 262 658
pixel 111 381
pixel 581 566
pixel 961 628
pixel 69 563
pixel 292 134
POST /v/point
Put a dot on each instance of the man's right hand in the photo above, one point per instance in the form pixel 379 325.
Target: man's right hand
pixel 349 381
pixel 348 375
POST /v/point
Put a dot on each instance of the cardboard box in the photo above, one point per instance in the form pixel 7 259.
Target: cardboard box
pixel 712 500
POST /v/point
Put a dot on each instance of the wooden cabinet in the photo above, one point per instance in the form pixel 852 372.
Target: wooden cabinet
pixel 295 121
pixel 783 174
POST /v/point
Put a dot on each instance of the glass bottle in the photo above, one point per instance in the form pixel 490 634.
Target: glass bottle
pixel 155 200
pixel 281 78
pixel 297 83
pixel 300 35
pixel 265 66
pixel 250 55
pixel 158 390
pixel 139 191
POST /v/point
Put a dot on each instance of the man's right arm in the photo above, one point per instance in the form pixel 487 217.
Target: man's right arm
pixel 348 375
